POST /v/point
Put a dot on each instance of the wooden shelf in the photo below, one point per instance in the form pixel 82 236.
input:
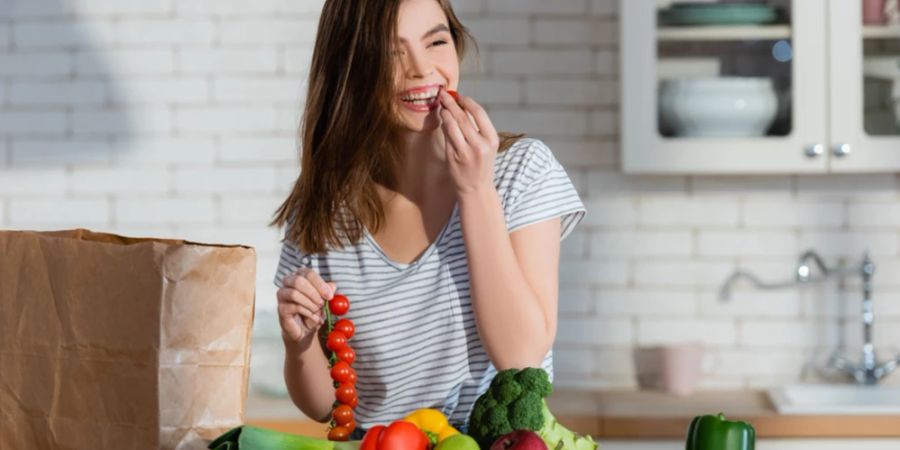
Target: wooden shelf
pixel 881 32
pixel 725 33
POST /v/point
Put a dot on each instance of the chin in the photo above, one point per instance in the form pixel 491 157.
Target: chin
pixel 420 126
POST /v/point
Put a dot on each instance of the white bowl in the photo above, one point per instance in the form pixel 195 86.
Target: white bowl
pixel 718 107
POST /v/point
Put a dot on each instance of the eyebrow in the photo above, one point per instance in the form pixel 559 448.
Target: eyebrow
pixel 435 30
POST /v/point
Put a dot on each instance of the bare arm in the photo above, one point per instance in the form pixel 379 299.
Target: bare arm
pixel 308 378
pixel 306 369
pixel 514 280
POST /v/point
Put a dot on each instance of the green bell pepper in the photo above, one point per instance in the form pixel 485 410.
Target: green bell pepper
pixel 716 433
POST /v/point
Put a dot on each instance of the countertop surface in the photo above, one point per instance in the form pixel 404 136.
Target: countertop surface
pixel 637 415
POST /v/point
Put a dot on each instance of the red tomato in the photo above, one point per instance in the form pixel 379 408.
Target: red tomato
pixel 341 372
pixel 339 433
pixel 351 425
pixel 370 440
pixel 343 415
pixel 339 305
pixel 346 354
pixel 353 403
pixel 403 435
pixel 345 326
pixel 336 341
pixel 454 94
pixel 351 377
pixel 346 393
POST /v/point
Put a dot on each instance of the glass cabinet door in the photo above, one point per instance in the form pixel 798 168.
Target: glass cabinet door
pixel 865 85
pixel 723 86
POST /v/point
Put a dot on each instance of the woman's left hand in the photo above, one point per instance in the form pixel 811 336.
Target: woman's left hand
pixel 471 143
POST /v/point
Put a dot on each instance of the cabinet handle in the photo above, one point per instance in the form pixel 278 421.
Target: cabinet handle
pixel 842 150
pixel 815 150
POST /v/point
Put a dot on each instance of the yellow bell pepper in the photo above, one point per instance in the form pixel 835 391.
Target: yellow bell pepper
pixel 434 423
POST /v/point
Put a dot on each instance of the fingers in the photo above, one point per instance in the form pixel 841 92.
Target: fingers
pixel 462 119
pixel 451 127
pixel 291 327
pixel 301 301
pixel 319 284
pixel 315 280
pixel 292 323
pixel 294 302
pixel 481 118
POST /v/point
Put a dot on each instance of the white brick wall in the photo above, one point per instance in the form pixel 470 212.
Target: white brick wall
pixel 178 119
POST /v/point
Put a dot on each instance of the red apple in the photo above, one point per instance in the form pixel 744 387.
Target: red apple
pixel 519 440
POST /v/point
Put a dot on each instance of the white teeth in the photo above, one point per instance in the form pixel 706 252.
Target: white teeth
pixel 421 95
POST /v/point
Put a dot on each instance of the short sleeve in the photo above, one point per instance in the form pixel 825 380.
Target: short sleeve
pixel 542 191
pixel 290 261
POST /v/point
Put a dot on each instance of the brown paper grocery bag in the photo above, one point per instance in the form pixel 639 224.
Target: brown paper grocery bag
pixel 109 342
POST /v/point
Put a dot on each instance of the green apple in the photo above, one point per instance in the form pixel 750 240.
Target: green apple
pixel 458 442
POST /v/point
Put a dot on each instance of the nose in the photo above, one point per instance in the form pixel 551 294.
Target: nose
pixel 418 65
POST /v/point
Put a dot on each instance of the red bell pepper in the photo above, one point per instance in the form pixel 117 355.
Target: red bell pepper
pixel 400 435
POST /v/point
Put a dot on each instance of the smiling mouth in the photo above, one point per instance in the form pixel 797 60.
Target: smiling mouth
pixel 421 99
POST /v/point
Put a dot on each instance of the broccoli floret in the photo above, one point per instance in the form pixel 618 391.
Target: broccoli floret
pixel 535 381
pixel 506 393
pixel 503 377
pixel 484 403
pixel 526 412
pixel 516 401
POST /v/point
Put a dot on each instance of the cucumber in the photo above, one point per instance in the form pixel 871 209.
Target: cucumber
pixel 248 437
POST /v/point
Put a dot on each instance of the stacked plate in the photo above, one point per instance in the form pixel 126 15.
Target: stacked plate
pixel 705 13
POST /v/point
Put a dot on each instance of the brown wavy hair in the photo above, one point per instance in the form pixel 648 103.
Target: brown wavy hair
pixel 349 133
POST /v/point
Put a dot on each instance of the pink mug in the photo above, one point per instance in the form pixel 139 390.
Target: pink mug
pixel 873 12
pixel 675 368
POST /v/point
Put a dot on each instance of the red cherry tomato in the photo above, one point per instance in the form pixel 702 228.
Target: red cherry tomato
pixel 343 415
pixel 336 341
pixel 351 425
pixel 345 393
pixel 351 377
pixel 339 433
pixel 341 372
pixel 345 326
pixel 454 94
pixel 353 404
pixel 339 305
pixel 346 354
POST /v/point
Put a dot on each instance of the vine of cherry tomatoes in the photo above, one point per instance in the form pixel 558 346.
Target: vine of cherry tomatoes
pixel 342 356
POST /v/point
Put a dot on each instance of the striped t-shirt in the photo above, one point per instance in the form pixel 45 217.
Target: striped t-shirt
pixel 416 342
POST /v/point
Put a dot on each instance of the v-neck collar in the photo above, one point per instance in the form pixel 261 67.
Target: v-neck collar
pixel 425 254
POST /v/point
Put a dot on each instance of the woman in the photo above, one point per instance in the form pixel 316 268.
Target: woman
pixel 443 233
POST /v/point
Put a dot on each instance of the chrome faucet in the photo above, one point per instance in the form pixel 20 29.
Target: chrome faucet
pixel 868 371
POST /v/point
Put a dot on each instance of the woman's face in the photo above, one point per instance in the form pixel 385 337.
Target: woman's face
pixel 425 61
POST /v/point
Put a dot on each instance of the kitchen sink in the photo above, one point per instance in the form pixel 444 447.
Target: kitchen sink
pixel 836 399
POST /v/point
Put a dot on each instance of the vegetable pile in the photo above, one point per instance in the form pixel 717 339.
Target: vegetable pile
pixel 512 414
pixel 516 401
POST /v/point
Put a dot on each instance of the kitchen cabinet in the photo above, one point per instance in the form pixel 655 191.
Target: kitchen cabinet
pixel 810 88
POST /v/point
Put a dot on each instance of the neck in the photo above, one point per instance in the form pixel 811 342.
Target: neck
pixel 424 167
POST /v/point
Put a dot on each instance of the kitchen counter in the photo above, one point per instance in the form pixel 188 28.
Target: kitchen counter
pixel 638 415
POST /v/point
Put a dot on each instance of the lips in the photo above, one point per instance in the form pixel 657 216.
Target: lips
pixel 421 99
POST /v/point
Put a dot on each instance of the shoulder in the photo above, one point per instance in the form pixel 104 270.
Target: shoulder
pixel 531 150
pixel 526 160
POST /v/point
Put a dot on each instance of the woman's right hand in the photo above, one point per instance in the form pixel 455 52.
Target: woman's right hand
pixel 301 302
